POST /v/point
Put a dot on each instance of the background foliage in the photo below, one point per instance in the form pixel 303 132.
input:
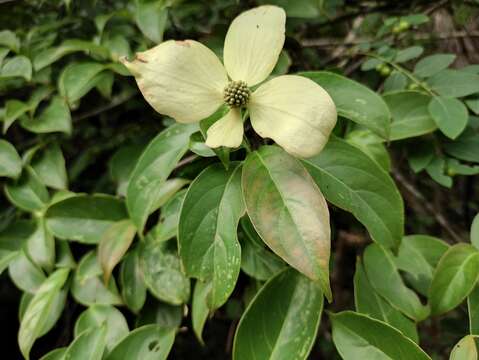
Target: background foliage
pixel 88 254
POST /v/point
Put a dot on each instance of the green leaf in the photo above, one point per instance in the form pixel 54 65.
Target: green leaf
pixel 17 66
pixel 256 261
pixel 473 104
pixel 290 330
pixel 10 162
pixel 55 118
pixel 88 289
pixel 133 288
pixel 454 83
pixel 299 8
pixel 84 218
pixel 50 167
pixel 411 120
pixel 10 40
pixel 207 231
pixel 418 256
pixel 162 271
pixel 51 55
pixel 151 17
pixel 153 168
pixel 354 101
pixel 28 192
pixel 420 155
pixel 394 82
pixel 352 181
pixel 455 277
pixel 149 342
pixel 89 345
pixel 14 109
pixel 465 147
pixel 12 240
pixel 41 246
pixel 37 310
pixel 106 316
pixel 389 285
pixel 122 164
pixel 199 308
pixel 475 231
pixel 465 349
pixel 437 171
pixel 288 211
pixel 25 274
pixel 369 302
pixel 431 65
pixel 160 313
pixel 449 114
pixel 473 311
pixel 409 53
pixel 56 354
pixel 114 243
pixel 167 227
pixel 77 79
pixel 372 145
pixel 358 336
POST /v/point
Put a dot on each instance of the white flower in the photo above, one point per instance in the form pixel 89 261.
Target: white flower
pixel 187 81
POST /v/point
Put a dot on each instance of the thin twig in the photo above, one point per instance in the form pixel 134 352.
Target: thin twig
pixel 187 160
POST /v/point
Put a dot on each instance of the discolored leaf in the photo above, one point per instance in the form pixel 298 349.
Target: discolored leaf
pixel 465 349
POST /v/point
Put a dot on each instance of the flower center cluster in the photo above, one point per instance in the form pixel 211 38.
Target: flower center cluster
pixel 236 94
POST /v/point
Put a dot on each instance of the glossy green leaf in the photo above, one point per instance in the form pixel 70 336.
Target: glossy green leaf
pixel 151 17
pixel 199 308
pixel 17 66
pixel 133 288
pixel 355 101
pixel 51 55
pixel 418 256
pixel 207 231
pixel 475 231
pixel 369 302
pixel 10 162
pixel 25 274
pixel 282 320
pixel 14 109
pixel 449 114
pixel 153 168
pixel 288 211
pixel 89 345
pixel 256 260
pixel 12 240
pixel 162 271
pixel 77 79
pixel 372 145
pixel 106 316
pixel 465 349
pixel 389 284
pixel 55 118
pixel 352 181
pixel 358 336
pixel 28 192
pixel 454 278
pixel 431 65
pixel 84 218
pixel 114 243
pixel 50 167
pixel 56 354
pixel 167 227
pixel 149 342
pixel 35 316
pixel 411 120
pixel 87 287
pixel 454 83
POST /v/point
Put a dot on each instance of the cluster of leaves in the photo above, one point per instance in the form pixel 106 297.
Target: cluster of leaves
pixel 170 233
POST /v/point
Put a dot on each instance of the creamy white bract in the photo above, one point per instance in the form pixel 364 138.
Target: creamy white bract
pixel 186 81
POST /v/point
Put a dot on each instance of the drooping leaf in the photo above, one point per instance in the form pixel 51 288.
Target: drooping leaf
pixel 454 278
pixel 289 331
pixel 84 218
pixel 153 168
pixel 449 114
pixel 358 336
pixel 10 162
pixel 352 181
pixel 106 316
pixel 411 120
pixel 35 316
pixel 355 101
pixel 207 237
pixel 114 243
pixel 368 302
pixel 149 342
pixel 288 211
pixel 389 284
